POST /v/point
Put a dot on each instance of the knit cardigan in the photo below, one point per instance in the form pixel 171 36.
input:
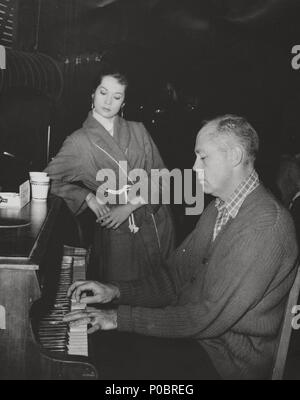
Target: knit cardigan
pixel 228 294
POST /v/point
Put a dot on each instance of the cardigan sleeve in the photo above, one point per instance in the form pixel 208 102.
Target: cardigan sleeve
pixel 234 286
pixel 66 172
pixel 163 285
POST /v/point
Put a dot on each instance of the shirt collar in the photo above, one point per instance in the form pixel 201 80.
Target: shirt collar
pixel 234 203
pixel 293 199
pixel 108 124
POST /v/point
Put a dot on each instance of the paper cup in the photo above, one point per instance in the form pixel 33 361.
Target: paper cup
pixel 40 184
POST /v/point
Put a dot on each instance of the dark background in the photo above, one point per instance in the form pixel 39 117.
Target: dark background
pixel 189 61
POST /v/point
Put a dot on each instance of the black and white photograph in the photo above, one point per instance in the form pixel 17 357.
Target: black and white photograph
pixel 149 192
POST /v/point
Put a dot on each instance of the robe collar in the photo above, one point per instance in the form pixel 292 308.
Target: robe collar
pixel 108 124
pixel 117 145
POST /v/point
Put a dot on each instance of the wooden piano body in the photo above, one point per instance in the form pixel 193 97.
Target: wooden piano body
pixel 30 258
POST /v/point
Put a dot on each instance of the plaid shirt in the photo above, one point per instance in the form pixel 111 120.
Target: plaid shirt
pixel 231 207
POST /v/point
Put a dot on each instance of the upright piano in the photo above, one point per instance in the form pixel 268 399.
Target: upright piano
pixel 39 258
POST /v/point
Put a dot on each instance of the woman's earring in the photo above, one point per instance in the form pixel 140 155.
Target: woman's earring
pixel 122 110
pixel 93 105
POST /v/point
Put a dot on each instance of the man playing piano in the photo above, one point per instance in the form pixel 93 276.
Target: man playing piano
pixel 222 292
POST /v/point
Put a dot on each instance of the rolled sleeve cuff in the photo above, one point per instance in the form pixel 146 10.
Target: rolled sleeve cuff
pixel 124 319
pixel 126 292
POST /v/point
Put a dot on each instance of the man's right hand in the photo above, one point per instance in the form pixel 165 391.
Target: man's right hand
pixel 100 210
pixel 100 293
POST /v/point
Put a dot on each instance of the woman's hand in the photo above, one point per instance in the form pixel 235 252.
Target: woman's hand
pixel 99 209
pixel 100 293
pixel 96 319
pixel 116 216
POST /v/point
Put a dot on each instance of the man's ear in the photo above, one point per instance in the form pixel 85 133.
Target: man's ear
pixel 237 155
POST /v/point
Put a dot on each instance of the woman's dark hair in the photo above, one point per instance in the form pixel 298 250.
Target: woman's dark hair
pixel 111 70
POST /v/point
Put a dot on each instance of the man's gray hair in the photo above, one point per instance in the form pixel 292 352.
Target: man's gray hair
pixel 240 129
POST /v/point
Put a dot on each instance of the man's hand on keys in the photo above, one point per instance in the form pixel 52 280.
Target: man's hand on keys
pixel 100 293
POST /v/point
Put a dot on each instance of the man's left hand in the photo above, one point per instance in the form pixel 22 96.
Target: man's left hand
pixel 97 319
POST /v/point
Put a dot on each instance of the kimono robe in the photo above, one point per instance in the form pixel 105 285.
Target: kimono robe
pixel 121 254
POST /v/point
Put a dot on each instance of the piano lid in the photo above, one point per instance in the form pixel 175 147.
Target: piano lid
pixel 27 240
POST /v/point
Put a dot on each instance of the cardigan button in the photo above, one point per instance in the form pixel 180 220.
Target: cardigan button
pixel 205 260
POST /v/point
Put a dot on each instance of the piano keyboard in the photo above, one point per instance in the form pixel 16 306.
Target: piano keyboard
pixel 54 334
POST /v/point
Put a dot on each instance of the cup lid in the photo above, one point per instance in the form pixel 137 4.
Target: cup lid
pixel 36 173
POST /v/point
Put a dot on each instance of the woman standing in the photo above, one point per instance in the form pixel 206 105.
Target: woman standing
pixel 130 239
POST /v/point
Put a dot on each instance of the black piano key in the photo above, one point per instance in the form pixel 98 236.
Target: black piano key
pixel 55 348
pixel 53 334
pixel 55 322
pixel 59 331
pixel 56 340
pixel 53 328
pixel 56 313
pixel 62 343
pixel 53 318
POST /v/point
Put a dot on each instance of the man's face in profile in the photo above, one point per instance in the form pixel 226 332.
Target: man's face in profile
pixel 213 160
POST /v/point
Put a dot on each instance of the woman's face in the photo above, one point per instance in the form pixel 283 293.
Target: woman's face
pixel 109 97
